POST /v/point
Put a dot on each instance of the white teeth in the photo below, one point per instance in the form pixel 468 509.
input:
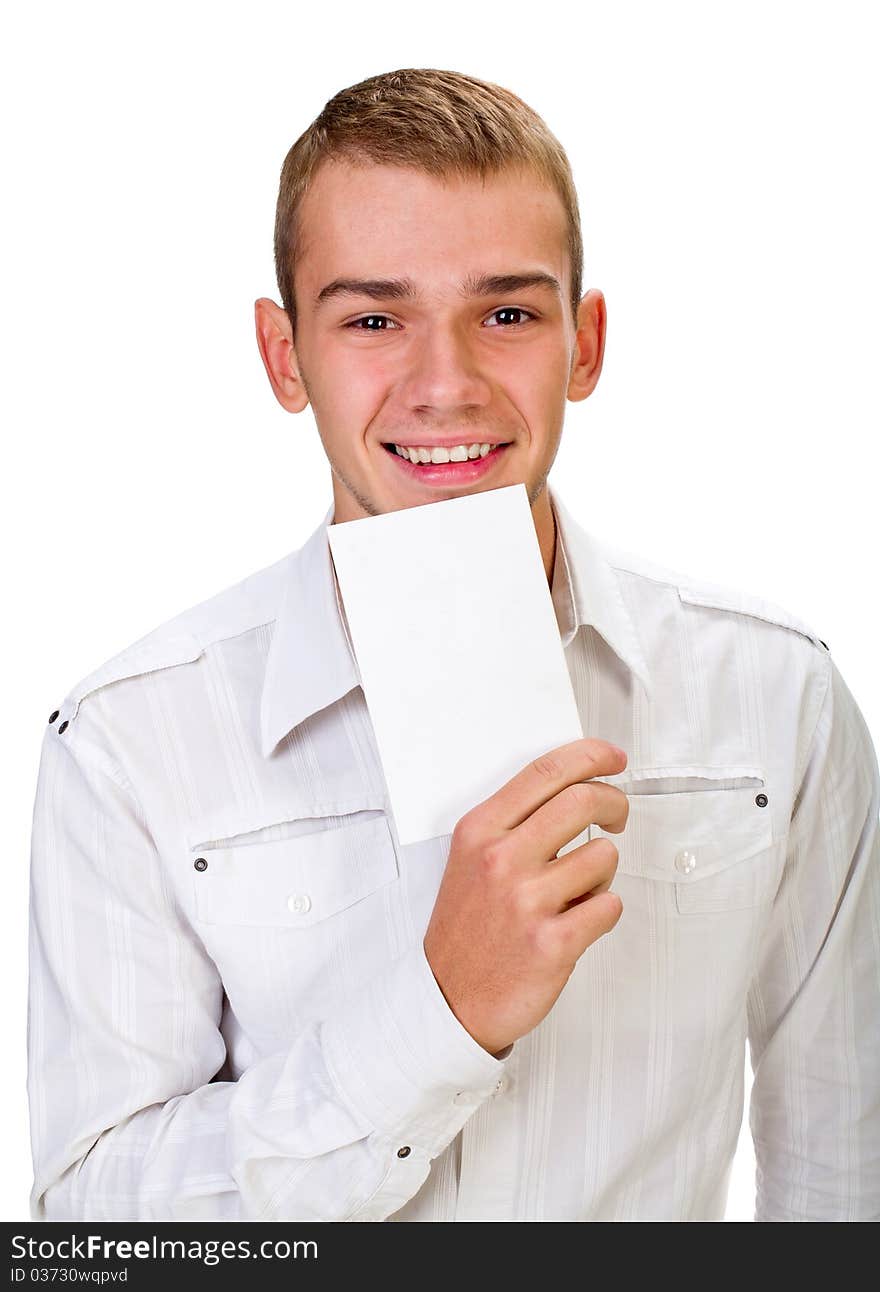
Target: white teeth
pixel 461 453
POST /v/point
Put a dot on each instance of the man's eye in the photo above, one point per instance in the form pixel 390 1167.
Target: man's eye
pixel 510 309
pixel 507 315
pixel 371 318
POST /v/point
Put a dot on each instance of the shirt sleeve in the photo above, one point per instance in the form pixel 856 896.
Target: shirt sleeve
pixel 814 1000
pixel 128 1120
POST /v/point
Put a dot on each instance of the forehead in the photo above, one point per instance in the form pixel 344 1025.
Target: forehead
pixel 377 220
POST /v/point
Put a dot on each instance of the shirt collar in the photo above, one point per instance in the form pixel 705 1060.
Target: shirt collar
pixel 586 591
pixel 311 662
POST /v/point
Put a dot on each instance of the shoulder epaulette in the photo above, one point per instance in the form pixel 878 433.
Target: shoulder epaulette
pixel 143 656
pixel 719 598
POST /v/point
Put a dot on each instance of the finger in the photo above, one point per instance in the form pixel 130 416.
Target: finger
pixel 544 777
pixel 585 870
pixel 564 817
pixel 586 921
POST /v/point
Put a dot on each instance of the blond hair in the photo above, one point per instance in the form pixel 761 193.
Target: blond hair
pixel 441 122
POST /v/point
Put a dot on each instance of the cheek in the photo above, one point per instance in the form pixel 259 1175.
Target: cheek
pixel 365 382
pixel 539 388
pixel 350 397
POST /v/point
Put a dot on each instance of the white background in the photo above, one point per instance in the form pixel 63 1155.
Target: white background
pixel 725 157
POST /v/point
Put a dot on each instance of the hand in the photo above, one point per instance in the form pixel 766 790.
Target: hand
pixel 511 919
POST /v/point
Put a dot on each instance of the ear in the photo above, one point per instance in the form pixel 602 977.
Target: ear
pixel 275 341
pixel 589 346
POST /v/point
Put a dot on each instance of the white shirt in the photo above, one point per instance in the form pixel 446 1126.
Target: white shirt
pixel 261 1036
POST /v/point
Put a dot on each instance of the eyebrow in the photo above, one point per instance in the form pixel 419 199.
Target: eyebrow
pixel 397 289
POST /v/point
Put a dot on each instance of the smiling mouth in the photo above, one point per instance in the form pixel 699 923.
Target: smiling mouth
pixel 462 454
pixel 460 472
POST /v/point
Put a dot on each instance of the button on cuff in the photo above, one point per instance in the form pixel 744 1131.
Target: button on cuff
pixel 471 1098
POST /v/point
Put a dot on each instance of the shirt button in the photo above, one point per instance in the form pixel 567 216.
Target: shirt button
pixel 761 800
pixel 405 1151
pixel 499 1086
pixel 54 714
pixel 684 862
pixel 63 727
pixel 200 863
pixel 299 903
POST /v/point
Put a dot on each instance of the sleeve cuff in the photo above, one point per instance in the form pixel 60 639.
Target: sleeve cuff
pixel 403 1058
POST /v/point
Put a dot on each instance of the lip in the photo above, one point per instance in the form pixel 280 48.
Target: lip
pixel 443 444
pixel 449 473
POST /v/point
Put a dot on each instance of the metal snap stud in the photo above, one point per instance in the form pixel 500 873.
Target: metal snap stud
pixel 200 863
pixel 761 800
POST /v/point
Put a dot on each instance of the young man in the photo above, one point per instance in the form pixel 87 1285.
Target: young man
pixel 249 1001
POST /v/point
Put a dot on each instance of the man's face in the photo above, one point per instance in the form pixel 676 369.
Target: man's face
pixel 442 360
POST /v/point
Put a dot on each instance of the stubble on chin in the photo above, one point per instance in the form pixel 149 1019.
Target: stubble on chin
pixel 365 503
pixel 536 491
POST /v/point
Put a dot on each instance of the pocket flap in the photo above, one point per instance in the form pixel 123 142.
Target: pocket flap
pixel 686 824
pixel 296 882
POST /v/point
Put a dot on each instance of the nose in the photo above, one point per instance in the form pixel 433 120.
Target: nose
pixel 443 374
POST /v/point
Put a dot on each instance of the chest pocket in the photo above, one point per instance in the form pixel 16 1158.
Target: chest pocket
pixel 705 832
pixel 294 882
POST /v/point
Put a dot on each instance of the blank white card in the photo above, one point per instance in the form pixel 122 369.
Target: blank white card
pixel 456 640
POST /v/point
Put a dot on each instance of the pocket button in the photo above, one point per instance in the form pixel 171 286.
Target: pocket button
pixel 685 862
pixel 299 903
